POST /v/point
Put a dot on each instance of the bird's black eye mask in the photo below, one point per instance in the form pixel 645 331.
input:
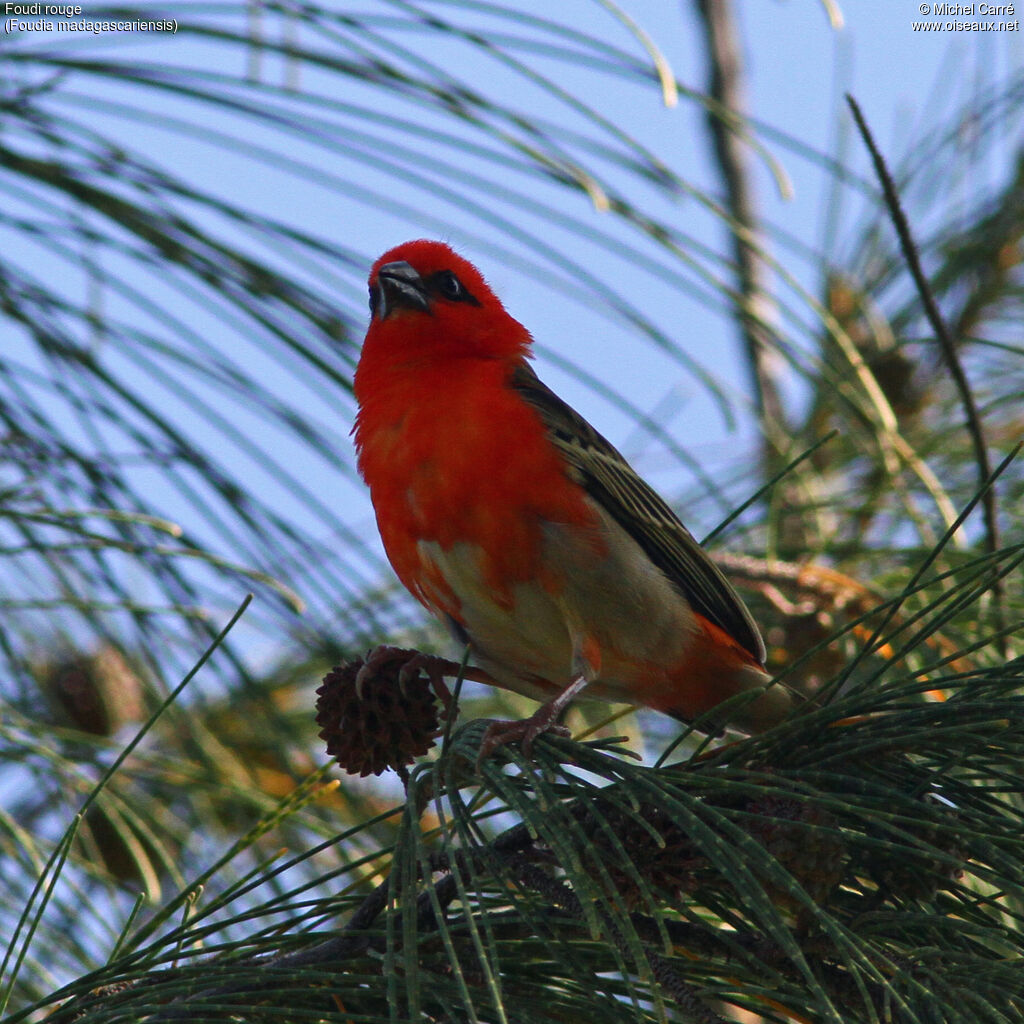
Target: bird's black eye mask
pixel 445 285
pixel 442 285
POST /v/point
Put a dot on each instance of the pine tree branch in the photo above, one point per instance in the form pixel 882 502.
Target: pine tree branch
pixel 948 349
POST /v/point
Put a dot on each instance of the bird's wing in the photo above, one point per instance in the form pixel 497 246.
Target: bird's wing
pixel 641 512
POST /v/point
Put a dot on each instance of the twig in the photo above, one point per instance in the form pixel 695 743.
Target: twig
pixel 263 973
pixel 948 349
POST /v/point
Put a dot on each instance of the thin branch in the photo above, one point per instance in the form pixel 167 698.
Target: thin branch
pixel 947 347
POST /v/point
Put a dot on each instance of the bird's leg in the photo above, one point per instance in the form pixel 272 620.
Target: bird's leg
pixel 524 732
pixel 434 666
pixel 586 667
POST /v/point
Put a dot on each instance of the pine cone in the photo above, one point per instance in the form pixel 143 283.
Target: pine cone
pixel 388 727
pixel 815 857
pixel 662 854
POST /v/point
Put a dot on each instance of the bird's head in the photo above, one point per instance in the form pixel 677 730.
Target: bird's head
pixel 428 303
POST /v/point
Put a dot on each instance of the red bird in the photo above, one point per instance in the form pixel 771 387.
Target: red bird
pixel 516 523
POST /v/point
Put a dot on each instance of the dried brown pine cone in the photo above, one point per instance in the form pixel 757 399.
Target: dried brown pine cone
pixel 388 726
pixel 918 874
pixel 805 839
pixel 661 854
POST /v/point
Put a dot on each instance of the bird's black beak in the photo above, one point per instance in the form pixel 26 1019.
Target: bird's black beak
pixel 399 287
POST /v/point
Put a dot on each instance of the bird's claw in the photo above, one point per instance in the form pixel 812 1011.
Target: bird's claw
pixel 544 719
pixel 433 666
pixel 523 733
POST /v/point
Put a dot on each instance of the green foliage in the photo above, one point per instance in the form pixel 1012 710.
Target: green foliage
pixel 174 397
pixel 862 862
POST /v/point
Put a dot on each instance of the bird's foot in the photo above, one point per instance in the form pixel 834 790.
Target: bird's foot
pixel 523 732
pixel 413 662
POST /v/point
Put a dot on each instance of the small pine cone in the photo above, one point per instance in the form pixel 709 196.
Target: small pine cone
pixel 388 728
pixel 663 856
pixel 815 856
pixel 95 692
pixel 917 875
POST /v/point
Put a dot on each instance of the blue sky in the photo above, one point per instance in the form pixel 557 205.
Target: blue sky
pixel 799 66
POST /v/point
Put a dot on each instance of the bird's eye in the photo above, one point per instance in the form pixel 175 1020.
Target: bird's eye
pixel 374 299
pixel 449 285
pixel 445 285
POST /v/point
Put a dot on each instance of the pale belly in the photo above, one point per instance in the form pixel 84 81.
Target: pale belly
pixel 614 619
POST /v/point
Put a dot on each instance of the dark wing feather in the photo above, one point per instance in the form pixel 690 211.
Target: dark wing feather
pixel 641 512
